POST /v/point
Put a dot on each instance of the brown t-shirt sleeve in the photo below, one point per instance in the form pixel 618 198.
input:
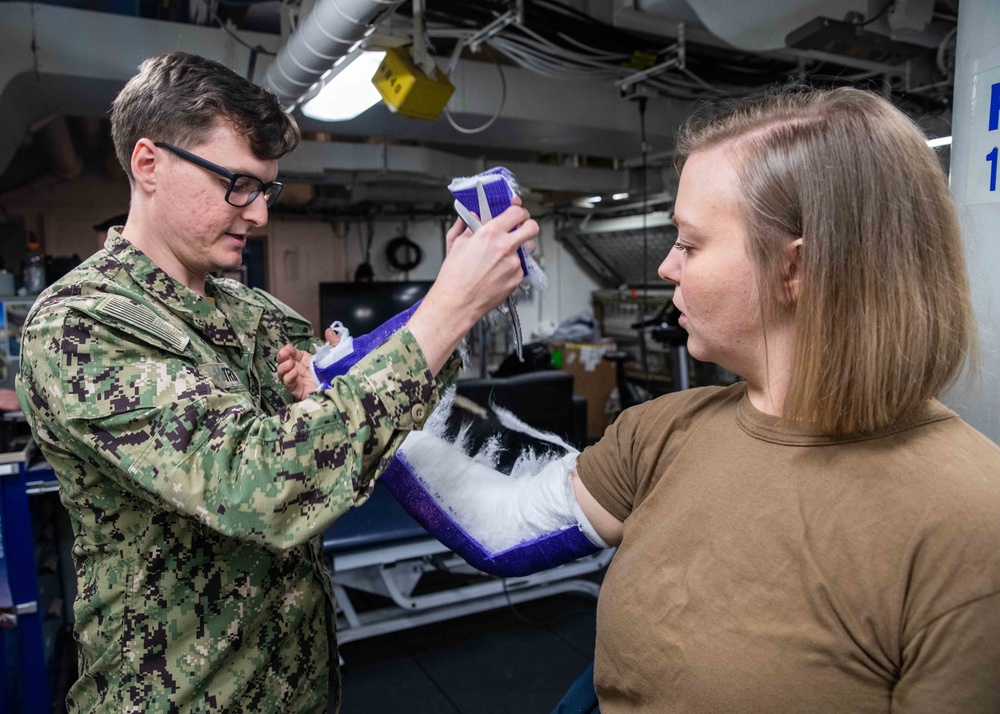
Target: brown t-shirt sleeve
pixel 607 468
pixel 952 665
pixel 622 468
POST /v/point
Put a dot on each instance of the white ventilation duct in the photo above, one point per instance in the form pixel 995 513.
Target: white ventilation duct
pixel 330 31
pixel 755 26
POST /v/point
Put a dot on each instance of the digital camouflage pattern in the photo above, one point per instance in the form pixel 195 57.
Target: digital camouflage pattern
pixel 197 491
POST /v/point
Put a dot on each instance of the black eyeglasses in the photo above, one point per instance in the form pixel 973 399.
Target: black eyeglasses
pixel 243 189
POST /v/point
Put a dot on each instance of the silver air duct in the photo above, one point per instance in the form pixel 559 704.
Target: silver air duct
pixel 327 33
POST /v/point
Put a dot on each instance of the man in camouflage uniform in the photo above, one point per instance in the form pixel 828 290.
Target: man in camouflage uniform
pixel 198 487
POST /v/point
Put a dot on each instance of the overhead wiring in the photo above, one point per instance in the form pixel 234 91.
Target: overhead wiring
pixel 492 120
pixel 558 41
pixel 877 15
pixel 258 49
pixel 541 55
pixel 598 52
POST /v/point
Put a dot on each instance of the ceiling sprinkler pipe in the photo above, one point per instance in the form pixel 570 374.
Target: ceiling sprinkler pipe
pixel 328 33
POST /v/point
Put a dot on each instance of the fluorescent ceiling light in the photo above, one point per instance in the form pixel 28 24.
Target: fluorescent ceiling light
pixel 349 91
pixel 943 141
pixel 619 197
pixel 593 199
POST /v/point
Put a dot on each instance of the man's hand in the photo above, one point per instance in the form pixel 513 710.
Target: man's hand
pixel 8 401
pixel 295 368
pixel 478 272
pixel 460 229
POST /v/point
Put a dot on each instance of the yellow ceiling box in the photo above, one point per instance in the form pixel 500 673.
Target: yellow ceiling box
pixel 407 90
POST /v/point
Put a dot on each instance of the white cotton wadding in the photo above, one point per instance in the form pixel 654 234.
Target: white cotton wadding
pixel 536 277
pixel 498 511
pixel 529 462
pixel 464 183
pixel 463 352
pixel 489 452
pixel 327 354
pixel 511 422
pixel 462 438
pixel 437 422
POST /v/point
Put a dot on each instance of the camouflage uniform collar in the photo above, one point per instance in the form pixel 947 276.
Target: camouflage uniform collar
pixel 195 310
pixel 237 290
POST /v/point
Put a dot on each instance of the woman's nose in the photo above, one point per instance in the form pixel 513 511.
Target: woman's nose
pixel 670 268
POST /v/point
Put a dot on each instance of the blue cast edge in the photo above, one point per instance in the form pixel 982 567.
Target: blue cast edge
pixel 363 345
pixel 542 553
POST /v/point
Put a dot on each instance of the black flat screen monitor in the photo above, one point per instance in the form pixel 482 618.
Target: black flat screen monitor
pixel 364 306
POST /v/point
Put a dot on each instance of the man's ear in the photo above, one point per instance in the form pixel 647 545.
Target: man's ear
pixel 145 162
pixel 793 270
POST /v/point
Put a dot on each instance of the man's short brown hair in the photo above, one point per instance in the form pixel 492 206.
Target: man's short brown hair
pixel 178 98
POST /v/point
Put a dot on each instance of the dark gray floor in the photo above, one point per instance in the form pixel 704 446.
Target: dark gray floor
pixel 519 660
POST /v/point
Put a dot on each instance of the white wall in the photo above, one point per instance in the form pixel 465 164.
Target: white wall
pixel 63 212
pixel 301 255
pixel 977 69
pixel 427 233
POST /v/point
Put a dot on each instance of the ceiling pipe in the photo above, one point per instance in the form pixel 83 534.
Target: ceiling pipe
pixel 330 31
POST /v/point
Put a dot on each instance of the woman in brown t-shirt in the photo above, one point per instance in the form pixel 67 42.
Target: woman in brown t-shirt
pixel 824 536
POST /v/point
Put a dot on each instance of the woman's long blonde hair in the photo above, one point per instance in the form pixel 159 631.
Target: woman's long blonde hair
pixel 883 316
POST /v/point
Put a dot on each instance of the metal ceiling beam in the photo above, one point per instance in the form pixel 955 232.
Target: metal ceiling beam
pixel 331 162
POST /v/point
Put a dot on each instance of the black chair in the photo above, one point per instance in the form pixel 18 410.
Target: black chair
pixel 543 400
pixel 628 394
pixel 666 330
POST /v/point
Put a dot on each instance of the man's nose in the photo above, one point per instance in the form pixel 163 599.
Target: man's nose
pixel 256 211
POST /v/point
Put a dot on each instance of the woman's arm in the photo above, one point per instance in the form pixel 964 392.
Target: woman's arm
pixel 607 526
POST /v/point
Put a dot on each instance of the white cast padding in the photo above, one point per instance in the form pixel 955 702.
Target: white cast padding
pixel 497 510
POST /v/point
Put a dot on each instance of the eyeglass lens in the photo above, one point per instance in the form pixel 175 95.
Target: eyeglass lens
pixel 244 189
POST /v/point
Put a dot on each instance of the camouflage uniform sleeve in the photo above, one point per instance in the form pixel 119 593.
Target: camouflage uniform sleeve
pixel 300 333
pixel 449 373
pixel 151 421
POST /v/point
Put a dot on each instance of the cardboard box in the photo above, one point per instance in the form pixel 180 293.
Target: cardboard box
pixel 593 379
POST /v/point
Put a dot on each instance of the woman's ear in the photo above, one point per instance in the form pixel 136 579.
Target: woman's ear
pixel 144 163
pixel 793 270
